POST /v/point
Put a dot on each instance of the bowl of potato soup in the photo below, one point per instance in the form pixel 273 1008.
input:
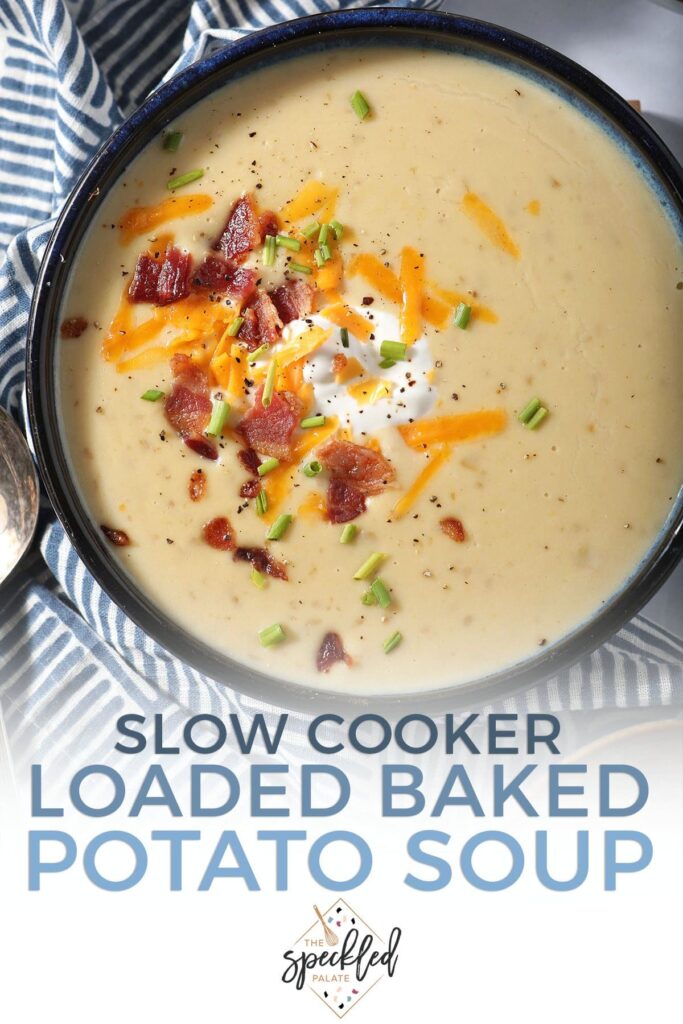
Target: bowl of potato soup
pixel 355 361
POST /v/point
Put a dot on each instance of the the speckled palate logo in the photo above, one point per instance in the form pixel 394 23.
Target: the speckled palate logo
pixel 340 958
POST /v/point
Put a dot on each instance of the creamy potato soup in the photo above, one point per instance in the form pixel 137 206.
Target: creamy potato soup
pixel 370 369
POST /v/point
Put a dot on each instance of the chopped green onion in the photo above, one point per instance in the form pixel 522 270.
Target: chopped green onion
pixel 386 364
pixel 344 335
pixel 462 315
pixel 393 350
pixel 218 417
pixel 269 250
pixel 313 421
pixel 300 268
pixel 393 641
pixel 368 598
pixel 529 410
pixel 233 329
pixel 288 243
pixel 274 634
pixel 348 533
pixel 267 465
pixel 360 105
pixel 537 418
pixel 324 232
pixel 312 230
pixel 381 593
pixel 261 503
pixel 319 258
pixel 337 228
pixel 258 579
pixel 312 468
pixel 325 251
pixel 279 527
pixel 369 565
pixel 258 352
pixel 268 387
pixel 152 395
pixel 172 141
pixel 184 179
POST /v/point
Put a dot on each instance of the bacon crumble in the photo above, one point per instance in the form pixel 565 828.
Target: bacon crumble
pixel 261 560
pixel 262 325
pixel 188 407
pixel 197 485
pixel 250 488
pixel 143 287
pixel 243 230
pixel 162 279
pixel 362 468
pixel 269 431
pixel 220 275
pixel 339 363
pixel 270 224
pixel 249 459
pixel 331 651
pixel 453 528
pixel 344 501
pixel 73 327
pixel 174 276
pixel 213 272
pixel 219 534
pixel 355 472
pixel 117 537
pixel 242 284
pixel 203 447
pixel 293 300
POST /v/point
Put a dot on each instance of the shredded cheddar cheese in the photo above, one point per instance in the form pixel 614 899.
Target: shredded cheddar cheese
pixel 412 282
pixel 437 457
pixel 489 223
pixel 454 429
pixel 313 506
pixel 453 299
pixel 351 369
pixel 302 347
pixel 315 199
pixel 310 439
pixel 342 316
pixel 382 278
pixel 139 220
pixel 194 318
pixel 158 354
pixel 330 276
pixel 436 307
pixel 221 366
pixel 370 390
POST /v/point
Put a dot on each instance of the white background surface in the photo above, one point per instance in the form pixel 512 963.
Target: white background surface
pixel 635 46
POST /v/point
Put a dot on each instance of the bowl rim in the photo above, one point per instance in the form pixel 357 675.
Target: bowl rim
pixel 159 109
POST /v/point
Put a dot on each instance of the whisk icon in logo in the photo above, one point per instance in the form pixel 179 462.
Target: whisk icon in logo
pixel 340 958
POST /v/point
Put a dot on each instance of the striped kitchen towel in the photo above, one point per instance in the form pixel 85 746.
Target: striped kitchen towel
pixel 70 660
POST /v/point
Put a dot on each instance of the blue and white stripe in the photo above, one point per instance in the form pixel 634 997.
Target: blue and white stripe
pixel 70 660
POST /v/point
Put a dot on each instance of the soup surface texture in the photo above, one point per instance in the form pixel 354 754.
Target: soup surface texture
pixel 517 264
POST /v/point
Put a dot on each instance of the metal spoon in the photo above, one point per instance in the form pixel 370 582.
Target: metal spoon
pixel 18 518
pixel 18 496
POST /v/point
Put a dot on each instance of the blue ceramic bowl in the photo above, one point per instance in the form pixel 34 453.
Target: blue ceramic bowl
pixel 341 29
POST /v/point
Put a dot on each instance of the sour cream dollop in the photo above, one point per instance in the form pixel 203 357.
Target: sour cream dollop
pixel 375 396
